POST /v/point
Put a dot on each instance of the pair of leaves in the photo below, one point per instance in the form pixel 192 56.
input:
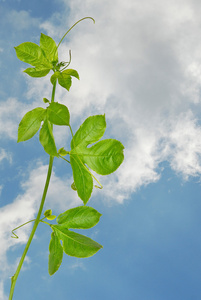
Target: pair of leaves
pixel 104 157
pixel 55 113
pixel 42 57
pixel 73 244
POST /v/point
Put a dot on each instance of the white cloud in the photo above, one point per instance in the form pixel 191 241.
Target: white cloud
pixel 5 155
pixel 140 64
pixel 21 20
pixel 2 295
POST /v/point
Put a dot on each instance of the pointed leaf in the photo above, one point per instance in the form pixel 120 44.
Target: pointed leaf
pixel 37 72
pixel 90 131
pixel 104 157
pixel 30 124
pixel 81 217
pixel 55 255
pixel 54 77
pixel 71 72
pixel 75 244
pixel 58 114
pixel 49 47
pixel 47 139
pixel 32 54
pixel 82 178
pixel 65 81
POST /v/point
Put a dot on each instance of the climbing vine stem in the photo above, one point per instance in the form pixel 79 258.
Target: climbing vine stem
pixel 51 159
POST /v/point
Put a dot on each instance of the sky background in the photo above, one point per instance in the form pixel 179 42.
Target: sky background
pixel 140 64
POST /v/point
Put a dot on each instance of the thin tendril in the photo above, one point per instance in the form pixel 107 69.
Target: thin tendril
pixel 72 28
pixel 68 62
pixel 15 235
pixel 64 159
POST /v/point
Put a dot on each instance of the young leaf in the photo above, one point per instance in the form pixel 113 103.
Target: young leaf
pixel 48 213
pixel 30 124
pixel 71 72
pixel 54 77
pixel 32 54
pixel 47 139
pixel 37 72
pixel 81 217
pixel 65 81
pixel 63 152
pixel 58 114
pixel 75 244
pixel 82 178
pixel 49 47
pixel 45 100
pixel 104 157
pixel 50 218
pixel 55 255
pixel 64 78
pixel 73 187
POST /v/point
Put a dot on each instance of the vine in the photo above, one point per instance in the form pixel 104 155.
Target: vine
pixel 103 157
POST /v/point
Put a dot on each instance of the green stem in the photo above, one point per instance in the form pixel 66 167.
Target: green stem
pixel 37 220
pixel 53 90
pixel 15 276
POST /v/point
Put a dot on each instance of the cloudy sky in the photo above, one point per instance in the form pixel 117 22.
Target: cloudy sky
pixel 140 64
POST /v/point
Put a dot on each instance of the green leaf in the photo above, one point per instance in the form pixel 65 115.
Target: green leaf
pixel 55 255
pixel 32 54
pixel 52 217
pixel 49 47
pixel 90 131
pixel 71 72
pixel 75 244
pixel 81 217
pixel 30 124
pixel 45 100
pixel 47 139
pixel 82 178
pixel 64 78
pixel 48 213
pixel 104 157
pixel 58 114
pixel 73 187
pixel 54 77
pixel 63 152
pixel 37 72
pixel 65 81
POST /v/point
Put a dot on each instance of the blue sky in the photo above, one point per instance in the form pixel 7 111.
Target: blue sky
pixel 140 65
